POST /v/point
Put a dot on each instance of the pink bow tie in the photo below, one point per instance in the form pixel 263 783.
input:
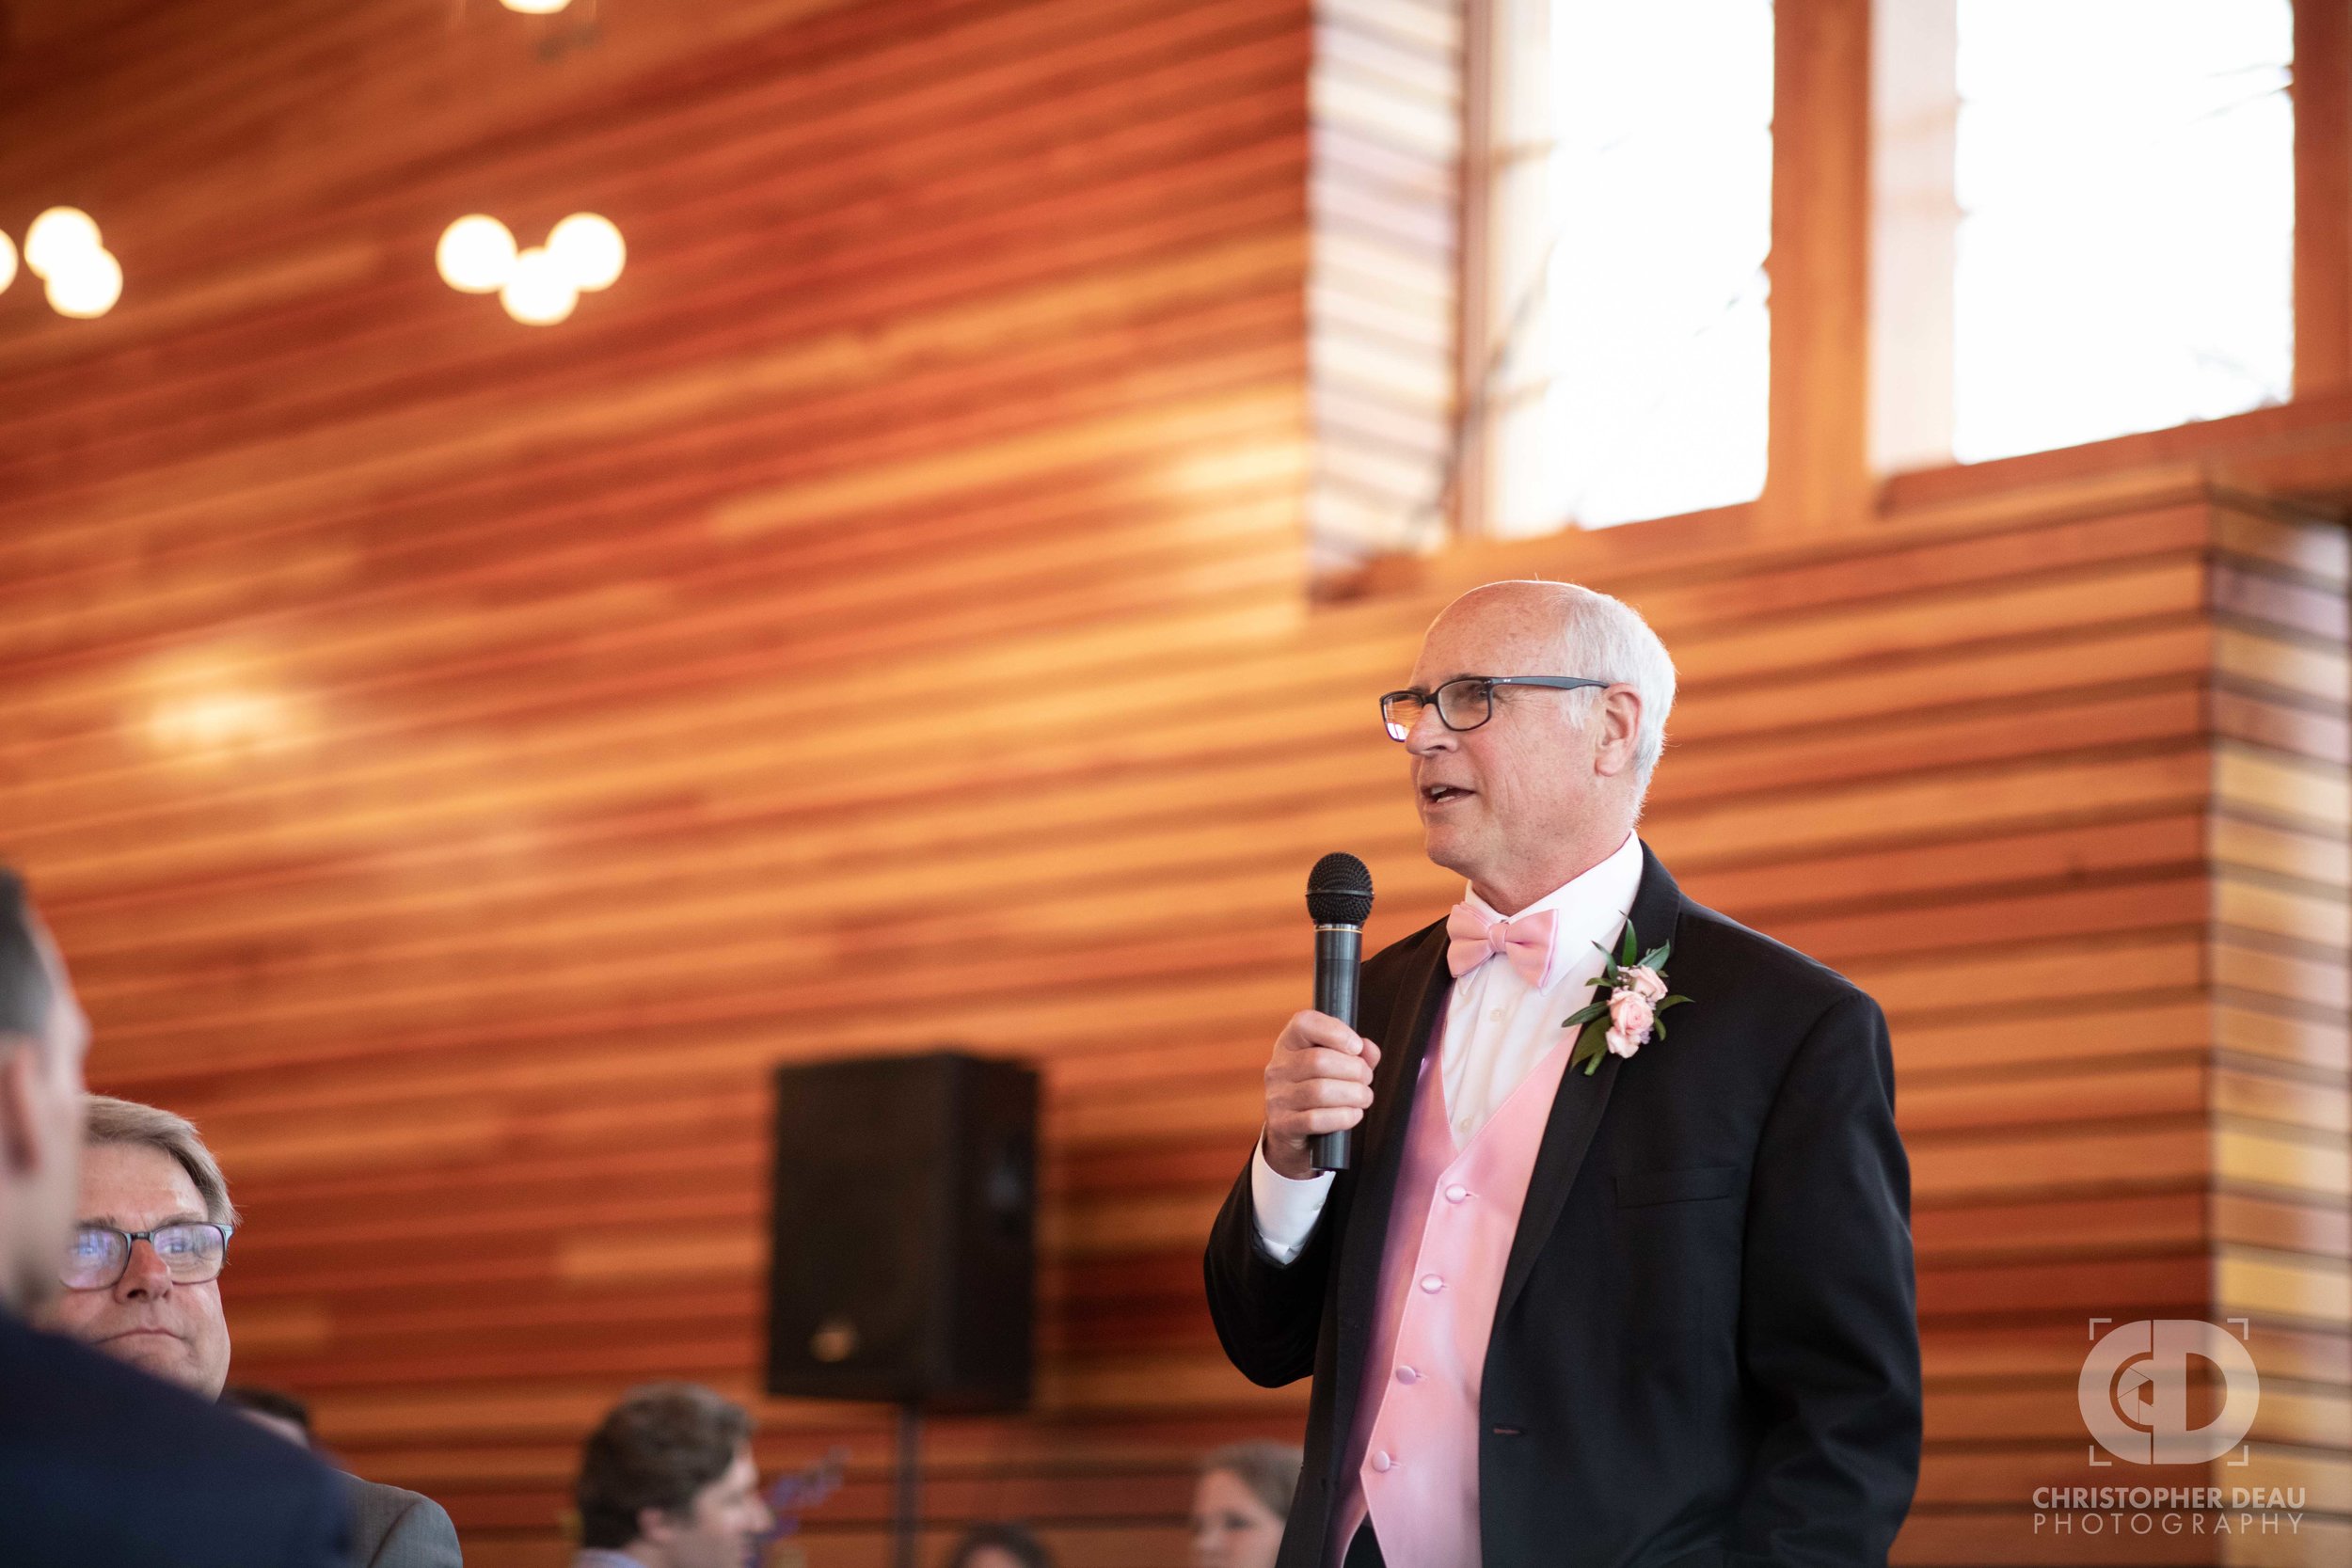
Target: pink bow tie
pixel 1473 936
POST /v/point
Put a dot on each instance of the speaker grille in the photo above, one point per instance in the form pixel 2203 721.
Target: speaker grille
pixel 902 1233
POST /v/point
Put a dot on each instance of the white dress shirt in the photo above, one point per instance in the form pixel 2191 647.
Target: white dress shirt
pixel 1497 1026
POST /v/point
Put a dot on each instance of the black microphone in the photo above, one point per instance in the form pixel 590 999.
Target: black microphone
pixel 1339 897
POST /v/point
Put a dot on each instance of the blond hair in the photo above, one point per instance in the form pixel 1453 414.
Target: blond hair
pixel 126 1121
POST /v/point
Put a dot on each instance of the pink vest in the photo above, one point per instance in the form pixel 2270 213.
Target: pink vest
pixel 1413 1454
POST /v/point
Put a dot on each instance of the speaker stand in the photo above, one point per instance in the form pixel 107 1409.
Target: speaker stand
pixel 906 1513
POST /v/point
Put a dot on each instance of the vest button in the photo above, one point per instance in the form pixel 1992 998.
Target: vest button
pixel 1432 1284
pixel 1382 1462
pixel 1456 1193
pixel 1406 1374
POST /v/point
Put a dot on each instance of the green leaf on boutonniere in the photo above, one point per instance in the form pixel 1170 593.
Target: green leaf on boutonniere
pixel 1585 1015
pixel 1591 1046
pixel 1631 945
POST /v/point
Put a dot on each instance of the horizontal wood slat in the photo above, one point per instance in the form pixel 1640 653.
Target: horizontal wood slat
pixel 461 760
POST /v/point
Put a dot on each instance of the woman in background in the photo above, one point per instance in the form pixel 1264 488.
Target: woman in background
pixel 1239 1503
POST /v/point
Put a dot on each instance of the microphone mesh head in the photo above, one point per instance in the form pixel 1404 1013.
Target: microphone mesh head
pixel 1339 891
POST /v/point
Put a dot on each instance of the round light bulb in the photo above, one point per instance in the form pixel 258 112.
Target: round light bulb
pixel 539 293
pixel 589 249
pixel 57 237
pixel 7 262
pixel 476 254
pixel 84 285
pixel 535 8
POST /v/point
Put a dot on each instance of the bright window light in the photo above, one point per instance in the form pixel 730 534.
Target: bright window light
pixel 2125 178
pixel 1659 336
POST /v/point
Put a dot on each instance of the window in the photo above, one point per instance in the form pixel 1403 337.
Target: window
pixel 1628 371
pixel 2085 220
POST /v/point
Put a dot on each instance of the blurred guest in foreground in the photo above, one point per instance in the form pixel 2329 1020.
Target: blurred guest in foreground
pixel 143 1285
pixel 999 1546
pixel 102 1466
pixel 1240 1502
pixel 667 1480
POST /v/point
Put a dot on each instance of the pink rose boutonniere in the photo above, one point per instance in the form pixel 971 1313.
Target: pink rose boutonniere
pixel 1621 1023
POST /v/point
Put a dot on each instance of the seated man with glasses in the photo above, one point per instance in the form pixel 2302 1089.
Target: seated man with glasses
pixel 100 1465
pixel 142 1284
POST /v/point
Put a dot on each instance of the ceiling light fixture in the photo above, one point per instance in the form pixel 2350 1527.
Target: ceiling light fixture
pixel 84 285
pixel 476 254
pixel 589 249
pixel 539 286
pixel 56 236
pixel 540 294
pixel 63 249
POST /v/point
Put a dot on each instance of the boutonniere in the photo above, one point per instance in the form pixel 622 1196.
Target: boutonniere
pixel 1622 1023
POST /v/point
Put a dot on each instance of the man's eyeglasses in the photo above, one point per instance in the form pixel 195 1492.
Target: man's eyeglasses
pixel 1464 703
pixel 192 1251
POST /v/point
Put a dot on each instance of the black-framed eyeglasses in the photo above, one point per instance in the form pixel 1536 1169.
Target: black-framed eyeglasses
pixel 1465 701
pixel 192 1251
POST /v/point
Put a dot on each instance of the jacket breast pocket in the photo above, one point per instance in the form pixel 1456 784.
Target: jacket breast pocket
pixel 1641 1188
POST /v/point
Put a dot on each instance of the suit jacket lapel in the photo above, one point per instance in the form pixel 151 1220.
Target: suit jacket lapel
pixel 1421 995
pixel 1576 1112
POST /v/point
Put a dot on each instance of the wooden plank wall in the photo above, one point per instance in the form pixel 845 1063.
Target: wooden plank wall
pixel 2278 961
pixel 460 760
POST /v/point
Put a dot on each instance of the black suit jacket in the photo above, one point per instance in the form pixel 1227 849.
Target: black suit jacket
pixel 102 1466
pixel 1706 1349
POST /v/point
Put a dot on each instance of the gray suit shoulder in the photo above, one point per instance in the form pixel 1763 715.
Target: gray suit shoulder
pixel 394 1528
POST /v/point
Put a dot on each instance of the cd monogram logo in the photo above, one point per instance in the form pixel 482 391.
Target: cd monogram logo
pixel 2133 1391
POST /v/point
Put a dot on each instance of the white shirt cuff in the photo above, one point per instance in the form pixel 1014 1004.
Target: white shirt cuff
pixel 1287 1209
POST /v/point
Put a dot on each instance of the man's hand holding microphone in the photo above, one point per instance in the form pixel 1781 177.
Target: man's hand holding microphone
pixel 1318 1081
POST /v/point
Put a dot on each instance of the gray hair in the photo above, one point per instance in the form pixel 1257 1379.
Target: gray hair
pixel 1608 639
pixel 125 1121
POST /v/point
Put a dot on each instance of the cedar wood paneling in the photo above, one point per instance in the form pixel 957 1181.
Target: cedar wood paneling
pixel 460 759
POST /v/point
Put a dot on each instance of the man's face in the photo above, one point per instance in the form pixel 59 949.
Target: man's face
pixel 1522 780
pixel 42 1100
pixel 176 1332
pixel 726 1521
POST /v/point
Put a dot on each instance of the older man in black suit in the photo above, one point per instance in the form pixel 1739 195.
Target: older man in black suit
pixel 1590 1295
pixel 102 1465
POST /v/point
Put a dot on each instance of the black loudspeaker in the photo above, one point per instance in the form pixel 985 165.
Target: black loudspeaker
pixel 904 1232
